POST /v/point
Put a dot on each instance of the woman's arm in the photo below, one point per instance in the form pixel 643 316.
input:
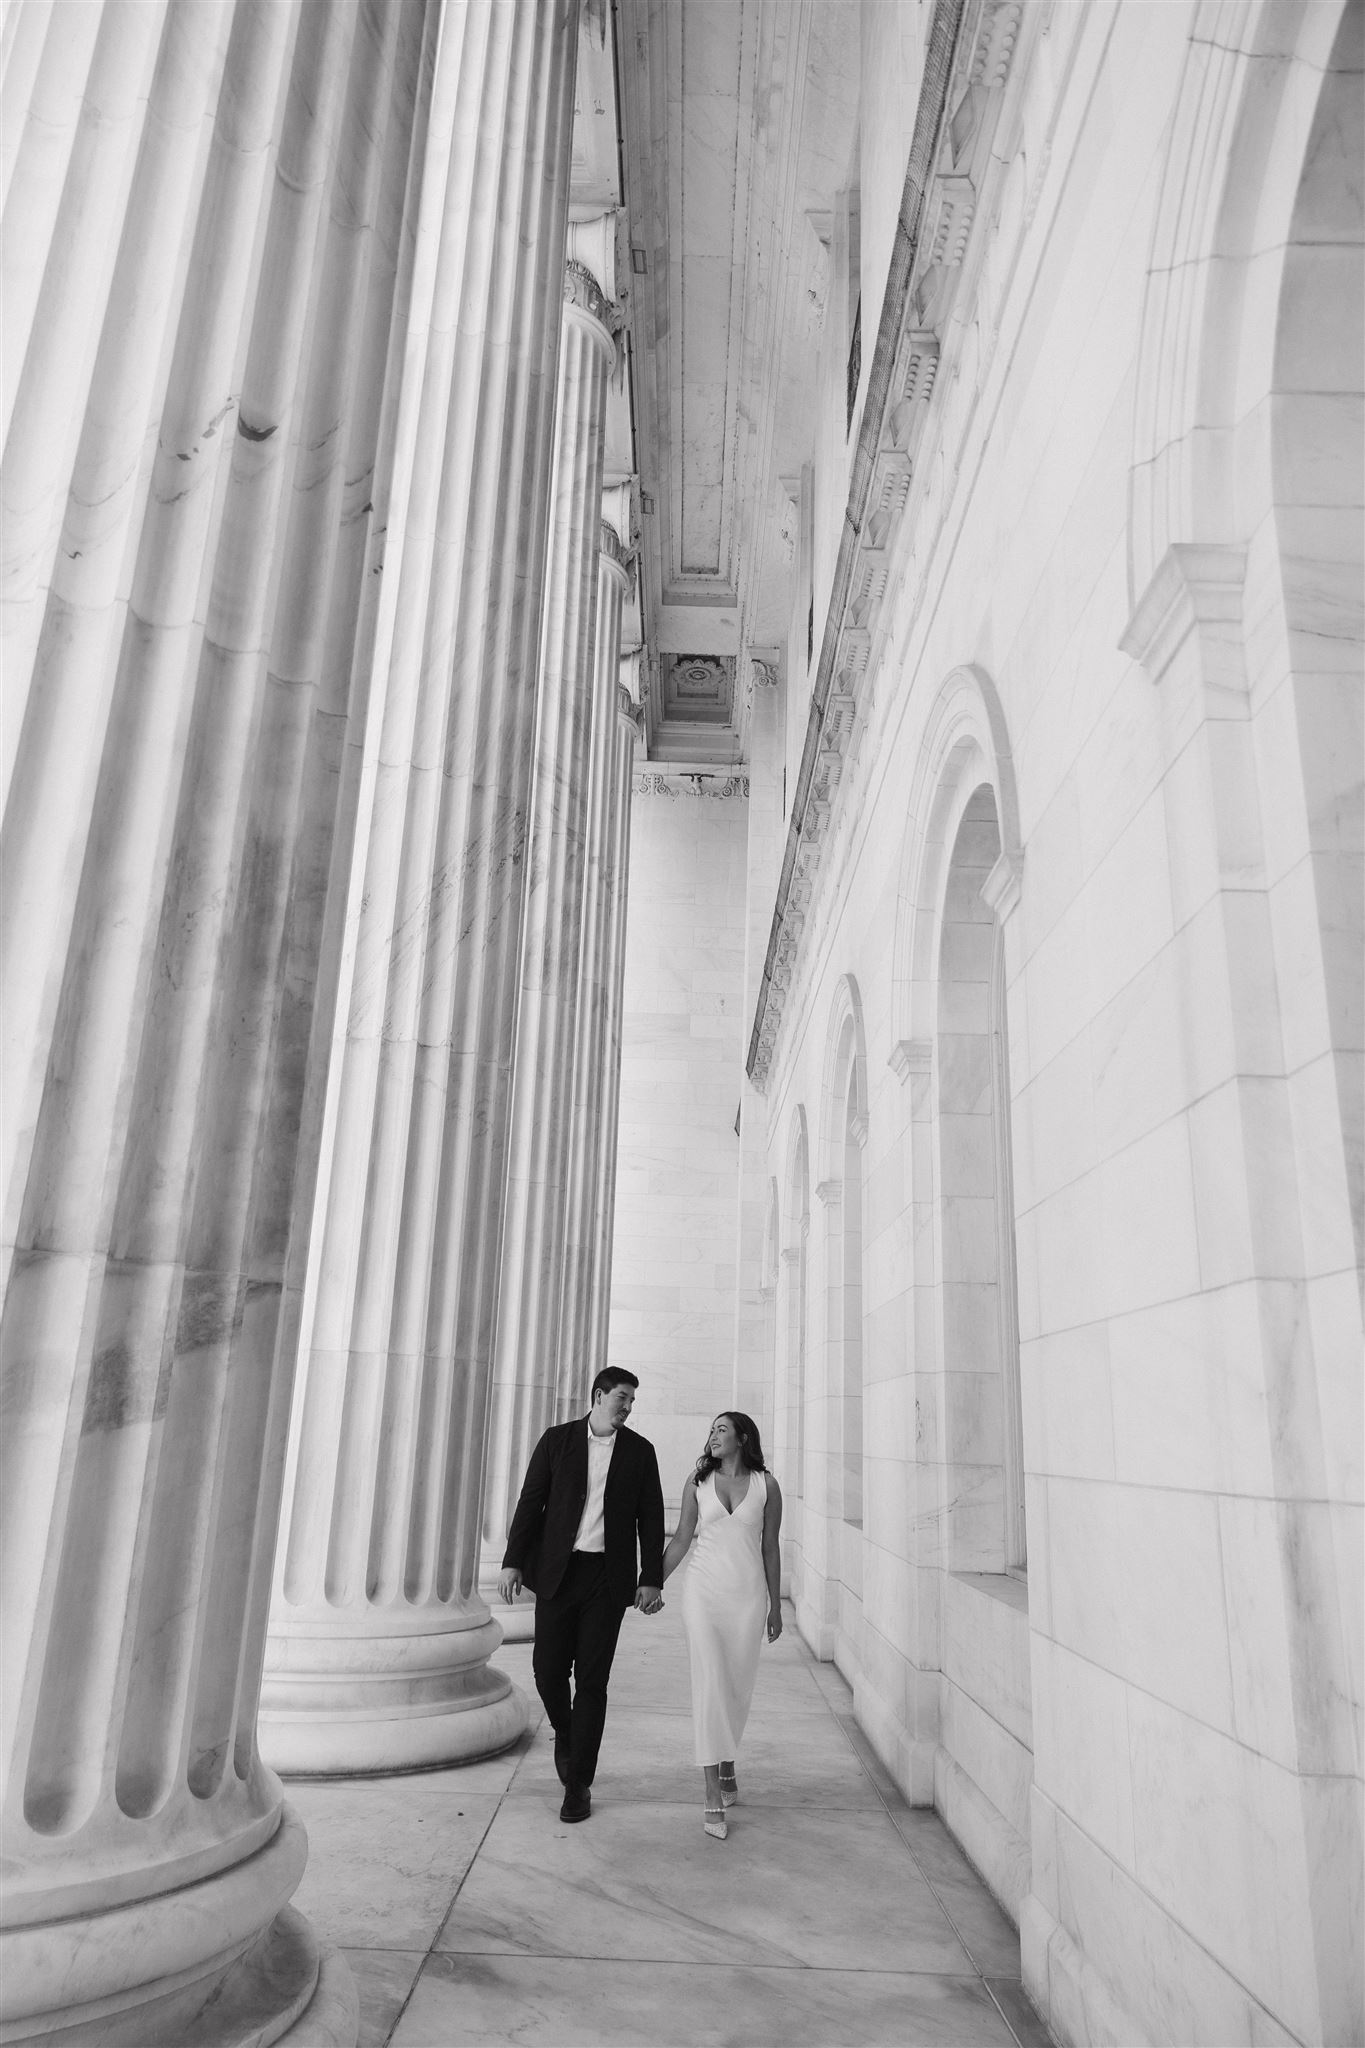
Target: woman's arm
pixel 772 1556
pixel 687 1528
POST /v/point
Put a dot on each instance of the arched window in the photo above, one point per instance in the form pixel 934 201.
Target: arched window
pixel 980 1311
pixel 793 1310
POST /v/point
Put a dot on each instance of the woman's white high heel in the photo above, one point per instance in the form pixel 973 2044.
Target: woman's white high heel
pixel 729 1789
pixel 714 1822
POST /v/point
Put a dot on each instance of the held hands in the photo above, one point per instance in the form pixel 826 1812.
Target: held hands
pixel 649 1599
pixel 774 1623
pixel 509 1583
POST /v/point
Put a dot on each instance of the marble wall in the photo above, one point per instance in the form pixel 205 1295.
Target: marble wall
pixel 1108 634
pixel 673 1264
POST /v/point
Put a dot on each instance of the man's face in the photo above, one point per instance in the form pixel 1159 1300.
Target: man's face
pixel 613 1404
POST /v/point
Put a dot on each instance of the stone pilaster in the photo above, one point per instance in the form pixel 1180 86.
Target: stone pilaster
pixel 552 944
pixel 592 1151
pixel 206 277
pixel 379 1643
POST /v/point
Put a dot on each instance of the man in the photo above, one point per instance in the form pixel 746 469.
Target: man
pixel 591 1487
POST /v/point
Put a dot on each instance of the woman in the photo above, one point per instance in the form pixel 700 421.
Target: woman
pixel 733 1505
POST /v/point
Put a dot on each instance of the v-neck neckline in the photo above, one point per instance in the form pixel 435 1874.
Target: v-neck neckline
pixel 721 1497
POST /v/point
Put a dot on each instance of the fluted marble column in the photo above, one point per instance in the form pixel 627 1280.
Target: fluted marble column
pixel 379 1643
pixel 203 273
pixel 587 1280
pixel 552 947
pixel 755 1305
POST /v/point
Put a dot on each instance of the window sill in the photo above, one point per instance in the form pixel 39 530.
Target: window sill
pixel 1010 1589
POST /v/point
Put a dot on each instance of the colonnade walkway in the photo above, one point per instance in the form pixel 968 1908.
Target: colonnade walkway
pixel 834 1915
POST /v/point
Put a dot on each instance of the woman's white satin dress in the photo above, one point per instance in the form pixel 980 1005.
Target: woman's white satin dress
pixel 724 1610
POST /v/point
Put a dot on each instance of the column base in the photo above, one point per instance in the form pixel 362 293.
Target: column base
pixel 367 1705
pixel 517 1620
pixel 518 1623
pixel 213 1980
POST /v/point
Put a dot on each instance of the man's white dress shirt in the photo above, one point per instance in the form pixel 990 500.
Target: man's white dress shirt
pixel 592 1534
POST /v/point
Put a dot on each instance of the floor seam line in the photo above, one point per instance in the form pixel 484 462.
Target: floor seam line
pixel 445 1917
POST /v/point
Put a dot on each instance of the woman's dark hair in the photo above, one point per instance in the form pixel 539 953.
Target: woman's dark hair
pixel 750 1448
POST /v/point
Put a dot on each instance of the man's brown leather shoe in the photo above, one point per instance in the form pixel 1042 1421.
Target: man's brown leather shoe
pixel 577 1803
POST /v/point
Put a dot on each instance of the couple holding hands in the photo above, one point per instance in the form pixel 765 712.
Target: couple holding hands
pixel 591 1492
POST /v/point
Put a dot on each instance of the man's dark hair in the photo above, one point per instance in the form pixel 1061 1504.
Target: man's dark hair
pixel 612 1376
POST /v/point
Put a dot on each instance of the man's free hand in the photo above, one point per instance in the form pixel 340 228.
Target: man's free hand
pixel 509 1583
pixel 649 1599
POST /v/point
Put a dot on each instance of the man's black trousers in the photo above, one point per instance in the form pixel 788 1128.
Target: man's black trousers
pixel 576 1630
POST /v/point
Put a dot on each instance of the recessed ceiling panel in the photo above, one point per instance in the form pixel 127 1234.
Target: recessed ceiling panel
pixel 697 689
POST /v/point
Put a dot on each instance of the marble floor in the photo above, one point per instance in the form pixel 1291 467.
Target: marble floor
pixel 834 1916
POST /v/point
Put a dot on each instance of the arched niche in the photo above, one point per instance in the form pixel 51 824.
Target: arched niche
pixel 1222 234
pixel 966 743
pixel 1246 544
pixel 960 883
pixel 792 1314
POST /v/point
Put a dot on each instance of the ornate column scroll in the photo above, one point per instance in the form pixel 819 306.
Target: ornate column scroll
pixel 379 1643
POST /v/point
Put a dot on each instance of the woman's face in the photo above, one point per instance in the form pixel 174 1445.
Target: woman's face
pixel 723 1438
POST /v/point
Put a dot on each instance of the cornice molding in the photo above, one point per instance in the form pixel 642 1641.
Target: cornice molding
pixel 1196 587
pixel 829 1193
pixel 968 66
pixel 910 1056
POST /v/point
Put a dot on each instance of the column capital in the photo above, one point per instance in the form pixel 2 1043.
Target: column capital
pixel 631 713
pixel 582 290
pixel 593 245
pixel 630 671
pixel 613 549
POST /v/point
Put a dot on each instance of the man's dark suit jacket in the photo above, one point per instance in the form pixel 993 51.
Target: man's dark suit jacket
pixel 553 1494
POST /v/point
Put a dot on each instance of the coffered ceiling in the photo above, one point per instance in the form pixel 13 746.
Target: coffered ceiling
pixel 737 124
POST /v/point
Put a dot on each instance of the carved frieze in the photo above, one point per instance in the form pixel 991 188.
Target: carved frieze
pixel 715 788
